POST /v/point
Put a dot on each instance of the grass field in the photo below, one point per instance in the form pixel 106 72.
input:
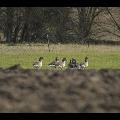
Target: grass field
pixel 100 56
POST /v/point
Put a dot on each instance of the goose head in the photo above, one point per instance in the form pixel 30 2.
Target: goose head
pixel 74 61
pixel 41 58
pixel 86 59
pixel 64 60
pixel 56 59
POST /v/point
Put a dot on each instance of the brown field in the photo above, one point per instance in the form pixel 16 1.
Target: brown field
pixel 59 91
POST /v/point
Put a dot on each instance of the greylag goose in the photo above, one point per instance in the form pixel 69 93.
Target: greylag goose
pixel 83 65
pixel 38 64
pixel 54 63
pixel 62 63
pixel 73 63
pixel 58 63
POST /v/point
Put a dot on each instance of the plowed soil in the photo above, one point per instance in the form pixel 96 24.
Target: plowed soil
pixel 25 90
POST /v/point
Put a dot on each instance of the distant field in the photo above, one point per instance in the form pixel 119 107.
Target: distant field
pixel 100 56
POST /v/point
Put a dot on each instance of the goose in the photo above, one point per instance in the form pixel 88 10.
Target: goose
pixel 38 64
pixel 72 63
pixel 62 63
pixel 58 63
pixel 53 64
pixel 83 65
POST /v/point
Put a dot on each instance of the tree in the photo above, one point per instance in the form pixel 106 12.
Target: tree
pixel 85 21
pixel 57 19
pixel 9 23
pixel 66 24
pixel 114 22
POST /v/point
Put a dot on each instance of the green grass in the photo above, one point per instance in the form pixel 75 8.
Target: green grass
pixel 99 56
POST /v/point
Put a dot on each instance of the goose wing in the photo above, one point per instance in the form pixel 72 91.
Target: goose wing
pixel 59 63
pixel 35 63
pixel 82 65
pixel 71 65
pixel 52 63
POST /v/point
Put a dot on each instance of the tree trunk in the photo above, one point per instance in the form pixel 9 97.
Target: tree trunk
pixel 26 28
pixel 9 24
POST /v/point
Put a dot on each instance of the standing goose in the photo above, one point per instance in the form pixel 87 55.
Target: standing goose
pixel 83 65
pixel 62 63
pixel 38 64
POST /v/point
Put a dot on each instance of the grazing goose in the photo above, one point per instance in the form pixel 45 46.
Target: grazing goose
pixel 58 63
pixel 38 64
pixel 83 65
pixel 53 64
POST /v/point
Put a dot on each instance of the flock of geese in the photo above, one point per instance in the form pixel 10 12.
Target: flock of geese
pixel 61 63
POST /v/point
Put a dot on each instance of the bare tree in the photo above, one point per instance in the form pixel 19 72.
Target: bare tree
pixel 9 23
pixel 31 24
pixel 114 22
pixel 85 21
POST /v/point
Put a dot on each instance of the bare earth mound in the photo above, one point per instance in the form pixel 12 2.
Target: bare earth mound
pixel 67 91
